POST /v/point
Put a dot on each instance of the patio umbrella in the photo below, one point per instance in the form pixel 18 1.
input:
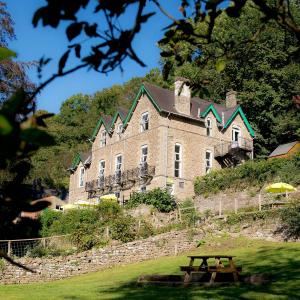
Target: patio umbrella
pixel 280 187
pixel 109 197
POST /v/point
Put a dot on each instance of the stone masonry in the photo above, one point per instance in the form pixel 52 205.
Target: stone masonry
pixel 47 269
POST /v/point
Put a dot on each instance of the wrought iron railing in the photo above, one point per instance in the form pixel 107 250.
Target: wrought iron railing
pixel 225 148
pixel 121 178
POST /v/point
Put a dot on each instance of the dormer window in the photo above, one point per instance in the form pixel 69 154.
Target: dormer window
pixel 145 122
pixel 103 138
pixel 119 131
pixel 208 127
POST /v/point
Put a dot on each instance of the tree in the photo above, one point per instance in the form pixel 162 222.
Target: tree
pixel 112 44
pixel 13 74
pixel 266 72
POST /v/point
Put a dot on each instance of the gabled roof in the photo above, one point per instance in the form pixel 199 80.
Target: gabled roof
pixel 283 149
pixel 84 157
pixel 164 101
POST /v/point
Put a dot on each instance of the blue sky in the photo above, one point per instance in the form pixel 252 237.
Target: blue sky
pixel 33 43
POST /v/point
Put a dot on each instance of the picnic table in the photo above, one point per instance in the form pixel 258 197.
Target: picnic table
pixel 212 270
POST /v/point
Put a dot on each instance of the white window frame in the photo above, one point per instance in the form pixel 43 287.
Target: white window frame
pixel 102 168
pixel 144 157
pixel 103 136
pixel 208 161
pixel 178 159
pixel 236 129
pixel 118 165
pixel 144 122
pixel 81 177
pixel 208 126
pixel 120 130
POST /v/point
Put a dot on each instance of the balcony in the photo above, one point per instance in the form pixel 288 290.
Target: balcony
pixel 121 180
pixel 232 147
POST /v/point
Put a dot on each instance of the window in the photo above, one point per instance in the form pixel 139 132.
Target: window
pixel 119 131
pixel 208 127
pixel 118 166
pixel 145 122
pixel 102 169
pixel 177 161
pixel 144 154
pixel 236 136
pixel 81 177
pixel 103 138
pixel 208 161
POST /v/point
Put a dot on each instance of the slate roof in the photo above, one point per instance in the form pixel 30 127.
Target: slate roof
pixel 166 100
pixel 283 149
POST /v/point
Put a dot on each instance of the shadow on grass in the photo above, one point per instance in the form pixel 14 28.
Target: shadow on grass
pixel 282 269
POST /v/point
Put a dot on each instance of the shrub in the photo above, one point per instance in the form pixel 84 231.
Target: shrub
pixel 290 221
pixel 40 251
pixel 160 199
pixel 123 229
pixel 47 218
pixel 251 173
pixel 67 222
pixel 145 230
pixel 189 214
pixel 108 210
pixel 87 236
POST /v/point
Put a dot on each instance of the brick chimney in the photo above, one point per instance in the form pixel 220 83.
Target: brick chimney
pixel 231 99
pixel 182 96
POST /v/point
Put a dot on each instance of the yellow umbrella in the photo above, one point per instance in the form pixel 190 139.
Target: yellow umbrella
pixel 109 197
pixel 280 187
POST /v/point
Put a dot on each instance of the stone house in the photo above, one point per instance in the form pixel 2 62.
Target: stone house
pixel 165 139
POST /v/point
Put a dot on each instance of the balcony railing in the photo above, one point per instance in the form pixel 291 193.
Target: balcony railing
pixel 225 148
pixel 144 171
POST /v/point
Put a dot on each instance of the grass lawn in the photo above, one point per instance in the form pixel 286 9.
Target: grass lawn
pixel 280 260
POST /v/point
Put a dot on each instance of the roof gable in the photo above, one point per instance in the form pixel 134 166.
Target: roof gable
pixel 213 110
pixel 241 113
pixel 143 90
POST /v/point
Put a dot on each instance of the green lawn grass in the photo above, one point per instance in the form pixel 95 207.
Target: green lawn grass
pixel 280 260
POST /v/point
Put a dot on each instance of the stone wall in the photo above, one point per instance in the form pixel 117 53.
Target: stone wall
pixel 47 269
pixel 229 201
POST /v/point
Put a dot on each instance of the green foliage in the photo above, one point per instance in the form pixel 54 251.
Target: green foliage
pixel 254 57
pixel 108 210
pixel 189 214
pixel 50 251
pixel 252 173
pixel 160 199
pixel 47 218
pixel 290 221
pixel 145 230
pixel 86 236
pixel 123 229
pixel 236 219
